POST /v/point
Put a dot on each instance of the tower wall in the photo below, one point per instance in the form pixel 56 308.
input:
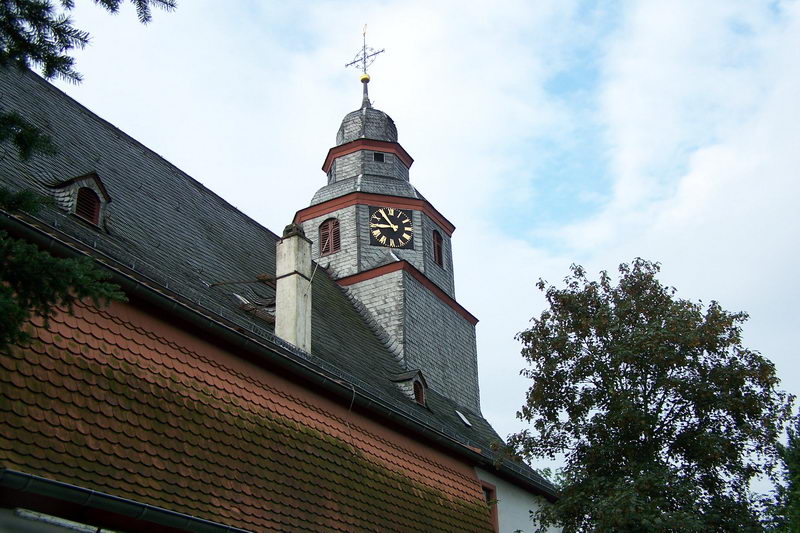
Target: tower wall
pixel 362 163
pixel 441 343
pixel 345 261
pixel 383 298
pixel 442 276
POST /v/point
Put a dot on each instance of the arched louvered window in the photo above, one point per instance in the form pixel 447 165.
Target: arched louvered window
pixel 419 393
pixel 438 256
pixel 329 241
pixel 87 206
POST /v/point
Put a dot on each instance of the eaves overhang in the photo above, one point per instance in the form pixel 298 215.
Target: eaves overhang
pixel 279 354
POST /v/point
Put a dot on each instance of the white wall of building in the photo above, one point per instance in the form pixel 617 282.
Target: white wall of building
pixel 514 505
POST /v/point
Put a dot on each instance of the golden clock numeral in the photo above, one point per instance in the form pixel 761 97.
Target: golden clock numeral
pixel 406 237
pixel 376 233
pixel 391 243
pixel 391 211
pixel 382 240
pixel 406 221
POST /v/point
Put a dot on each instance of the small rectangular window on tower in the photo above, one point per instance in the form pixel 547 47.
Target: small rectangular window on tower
pixel 377 157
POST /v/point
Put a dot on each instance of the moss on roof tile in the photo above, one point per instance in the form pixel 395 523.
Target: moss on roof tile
pixel 190 446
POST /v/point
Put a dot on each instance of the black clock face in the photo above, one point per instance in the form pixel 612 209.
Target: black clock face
pixel 391 227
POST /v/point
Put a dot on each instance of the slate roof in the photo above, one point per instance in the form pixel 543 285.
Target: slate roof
pixel 169 231
pixel 369 184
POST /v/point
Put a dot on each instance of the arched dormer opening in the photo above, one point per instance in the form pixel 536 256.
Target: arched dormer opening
pixel 87 205
pixel 413 385
pixel 419 392
pixel 329 238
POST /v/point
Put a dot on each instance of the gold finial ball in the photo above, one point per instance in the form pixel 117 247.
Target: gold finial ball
pixel 365 78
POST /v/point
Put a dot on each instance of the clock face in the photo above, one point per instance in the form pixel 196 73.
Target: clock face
pixel 391 227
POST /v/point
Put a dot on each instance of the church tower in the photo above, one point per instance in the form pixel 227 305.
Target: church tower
pixel 390 249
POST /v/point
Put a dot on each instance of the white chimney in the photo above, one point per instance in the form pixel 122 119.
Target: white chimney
pixel 293 288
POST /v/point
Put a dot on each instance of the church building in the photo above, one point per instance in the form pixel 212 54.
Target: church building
pixel 323 378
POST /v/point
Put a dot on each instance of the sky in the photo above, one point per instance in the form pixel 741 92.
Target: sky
pixel 550 132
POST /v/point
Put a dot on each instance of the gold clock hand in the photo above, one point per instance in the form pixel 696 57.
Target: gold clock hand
pixel 373 225
pixel 383 214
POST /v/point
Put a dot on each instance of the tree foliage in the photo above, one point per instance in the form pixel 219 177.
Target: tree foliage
pixel 26 138
pixel 33 282
pixel 786 511
pixel 663 417
pixel 39 34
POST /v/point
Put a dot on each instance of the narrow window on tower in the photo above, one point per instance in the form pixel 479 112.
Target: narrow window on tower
pixel 438 257
pixel 329 241
pixel 377 157
pixel 87 205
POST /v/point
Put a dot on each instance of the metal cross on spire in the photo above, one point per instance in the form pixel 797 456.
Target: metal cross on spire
pixel 365 56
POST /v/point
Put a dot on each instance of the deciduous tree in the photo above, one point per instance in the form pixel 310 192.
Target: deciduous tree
pixel 786 510
pixel 663 416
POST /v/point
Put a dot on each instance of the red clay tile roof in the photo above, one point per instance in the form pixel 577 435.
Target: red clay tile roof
pixel 112 401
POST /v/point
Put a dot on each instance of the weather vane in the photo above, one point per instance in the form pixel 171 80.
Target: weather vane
pixel 364 57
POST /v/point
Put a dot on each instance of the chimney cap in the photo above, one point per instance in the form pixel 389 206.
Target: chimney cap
pixel 293 229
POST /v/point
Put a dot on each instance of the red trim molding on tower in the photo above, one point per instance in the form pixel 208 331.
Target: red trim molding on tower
pixel 416 274
pixel 367 144
pixel 383 200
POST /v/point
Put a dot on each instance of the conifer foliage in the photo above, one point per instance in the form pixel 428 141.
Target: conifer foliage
pixel 33 282
pixel 663 417
pixel 39 34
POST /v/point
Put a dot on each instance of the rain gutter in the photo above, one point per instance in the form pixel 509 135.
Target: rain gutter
pixel 65 492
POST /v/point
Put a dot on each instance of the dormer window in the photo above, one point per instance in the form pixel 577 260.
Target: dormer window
pixel 85 197
pixel 329 239
pixel 413 385
pixel 438 256
pixel 378 157
pixel 87 205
